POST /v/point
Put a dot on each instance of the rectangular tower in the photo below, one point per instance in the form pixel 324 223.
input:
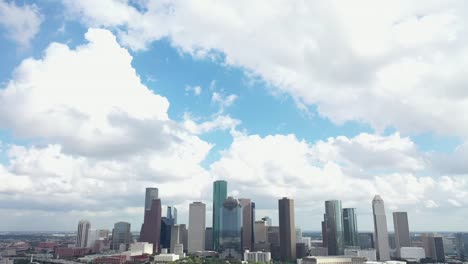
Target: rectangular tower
pixel 334 224
pixel 351 235
pixel 287 229
pixel 380 229
pixel 219 195
pixel 197 225
pixel 247 223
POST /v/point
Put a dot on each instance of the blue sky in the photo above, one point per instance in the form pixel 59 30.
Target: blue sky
pixel 289 102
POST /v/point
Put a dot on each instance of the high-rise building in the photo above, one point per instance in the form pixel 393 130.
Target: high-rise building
pixel 366 240
pixel 298 235
pixel 184 235
pixel 208 238
pixel 334 223
pixel 166 230
pixel 351 235
pixel 434 247
pixel 176 237
pixel 260 229
pixel 247 223
pixel 380 229
pixel 82 234
pixel 287 230
pixel 230 244
pixel 151 227
pixel 461 245
pixel 150 195
pixel 121 236
pixel 324 233
pixel 172 214
pixel 219 195
pixel 401 227
pixel 197 225
pixel 273 237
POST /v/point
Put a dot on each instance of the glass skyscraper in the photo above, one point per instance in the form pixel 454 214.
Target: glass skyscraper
pixel 351 235
pixel 334 224
pixel 219 195
pixel 231 228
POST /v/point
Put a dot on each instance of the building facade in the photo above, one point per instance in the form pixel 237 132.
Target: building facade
pixel 150 195
pixel 219 195
pixel 334 225
pixel 197 225
pixel 151 227
pixel 230 243
pixel 287 229
pixel 401 227
pixel 121 236
pixel 380 229
pixel 351 235
pixel 82 234
pixel 248 219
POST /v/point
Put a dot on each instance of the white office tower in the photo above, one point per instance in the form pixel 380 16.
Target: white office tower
pixel 380 229
pixel 197 225
pixel 141 248
pixel 82 234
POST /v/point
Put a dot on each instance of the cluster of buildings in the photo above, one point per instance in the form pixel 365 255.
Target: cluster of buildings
pixel 236 234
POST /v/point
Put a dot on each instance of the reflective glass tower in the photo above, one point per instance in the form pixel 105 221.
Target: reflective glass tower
pixel 219 195
pixel 334 224
pixel 231 228
pixel 351 235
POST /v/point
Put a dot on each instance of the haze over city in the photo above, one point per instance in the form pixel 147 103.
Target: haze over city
pixel 311 100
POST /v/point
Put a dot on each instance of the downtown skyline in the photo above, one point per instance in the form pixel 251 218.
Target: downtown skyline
pixel 312 101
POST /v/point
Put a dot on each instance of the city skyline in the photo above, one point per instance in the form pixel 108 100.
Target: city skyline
pixel 315 101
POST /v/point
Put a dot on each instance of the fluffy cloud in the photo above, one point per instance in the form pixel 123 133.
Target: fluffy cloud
pixel 394 64
pixel 21 23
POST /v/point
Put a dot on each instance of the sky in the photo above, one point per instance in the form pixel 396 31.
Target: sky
pixel 313 100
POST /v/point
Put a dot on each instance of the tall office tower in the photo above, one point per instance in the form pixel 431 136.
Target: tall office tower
pixel 402 235
pixel 230 244
pixel 176 237
pixel 366 240
pixel 184 236
pixel 197 225
pixel 121 236
pixel 150 195
pixel 267 220
pixel 380 229
pixel 82 234
pixel 287 230
pixel 219 195
pixel 172 214
pixel 208 238
pixel 151 227
pixel 461 245
pixel 247 223
pixel 334 223
pixel 298 235
pixel 252 230
pixel 351 235
pixel 324 233
pixel 260 230
pixel 273 237
pixel 166 228
pixel 433 247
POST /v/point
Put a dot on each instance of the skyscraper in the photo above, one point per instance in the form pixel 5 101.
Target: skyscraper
pixel 176 237
pixel 121 236
pixel 230 244
pixel 260 229
pixel 219 195
pixel 150 195
pixel 351 235
pixel 433 247
pixel 287 229
pixel 151 227
pixel 402 236
pixel 380 229
pixel 324 233
pixel 247 223
pixel 461 244
pixel 334 223
pixel 166 231
pixel 172 214
pixel 82 234
pixel 208 238
pixel 366 240
pixel 197 225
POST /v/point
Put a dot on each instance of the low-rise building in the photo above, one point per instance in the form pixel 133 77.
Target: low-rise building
pixel 142 248
pixel 412 253
pixel 318 251
pixel 370 254
pixel 259 256
pixel 165 258
pixel 333 260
